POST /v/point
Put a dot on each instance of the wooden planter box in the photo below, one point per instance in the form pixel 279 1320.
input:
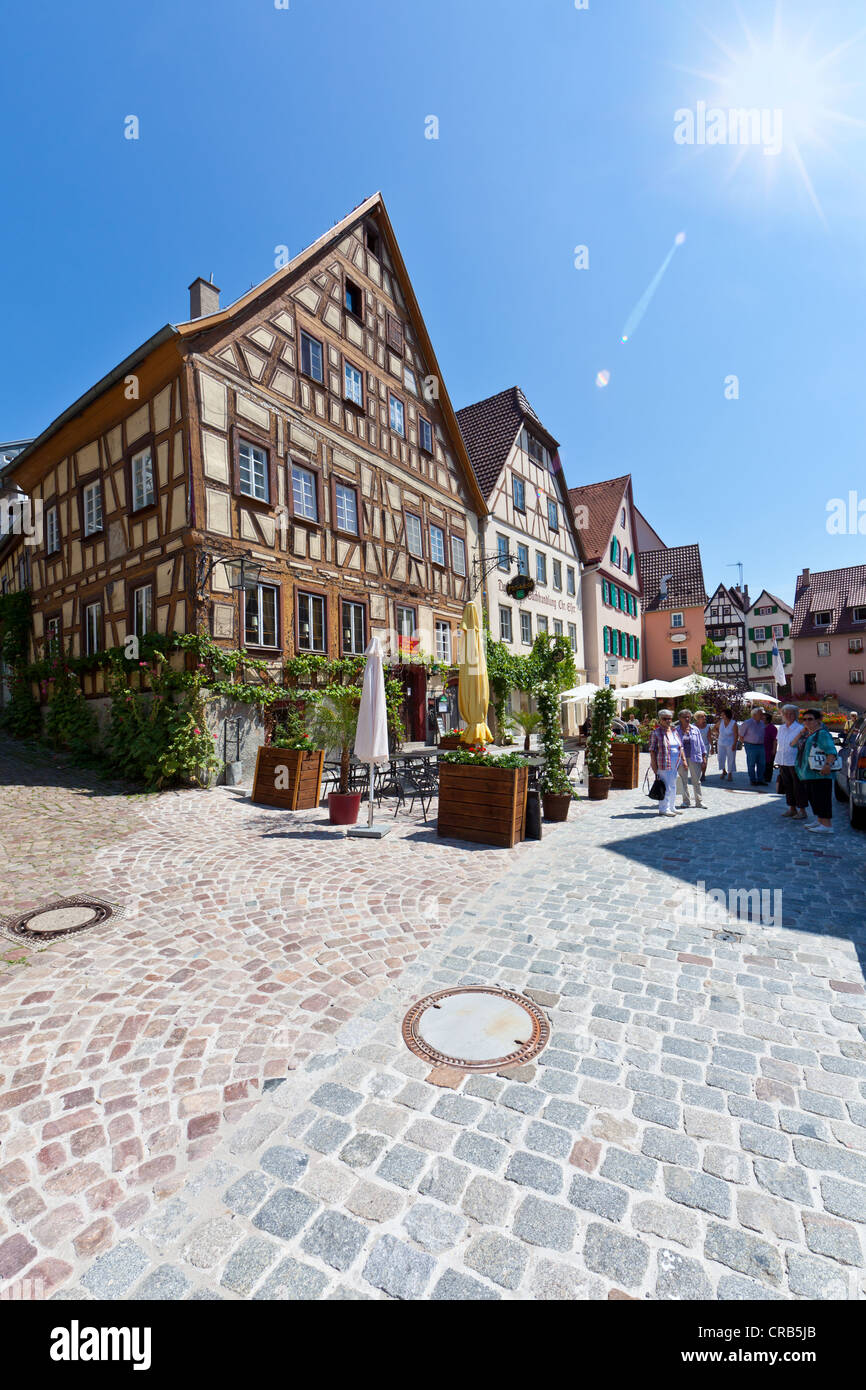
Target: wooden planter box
pixel 450 741
pixel 624 765
pixel 487 804
pixel 304 781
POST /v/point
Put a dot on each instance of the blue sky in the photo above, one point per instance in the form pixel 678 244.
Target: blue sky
pixel 261 127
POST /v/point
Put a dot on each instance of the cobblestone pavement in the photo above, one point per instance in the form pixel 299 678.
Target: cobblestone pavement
pixel 696 1127
pixel 248 939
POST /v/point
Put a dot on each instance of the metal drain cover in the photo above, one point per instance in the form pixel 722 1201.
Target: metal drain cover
pixel 475 1028
pixel 56 920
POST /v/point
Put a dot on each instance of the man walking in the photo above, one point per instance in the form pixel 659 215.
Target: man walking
pixel 752 739
pixel 692 760
pixel 796 795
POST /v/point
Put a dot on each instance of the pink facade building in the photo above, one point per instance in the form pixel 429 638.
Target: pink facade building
pixel 829 635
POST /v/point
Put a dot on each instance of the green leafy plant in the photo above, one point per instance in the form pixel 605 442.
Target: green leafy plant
pixel 529 721
pixel 464 758
pixel 291 732
pixel 159 737
pixel 599 741
pixel 333 722
pixel 69 720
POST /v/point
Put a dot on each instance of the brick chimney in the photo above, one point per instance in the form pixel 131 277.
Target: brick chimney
pixel 204 298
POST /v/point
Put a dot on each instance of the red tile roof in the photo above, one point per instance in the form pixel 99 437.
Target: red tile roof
pixel 602 502
pixel 489 429
pixel 838 592
pixel 685 588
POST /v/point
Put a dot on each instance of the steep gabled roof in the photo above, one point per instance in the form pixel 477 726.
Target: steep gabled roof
pixel 732 596
pixel 179 333
pixel 834 591
pixel 603 502
pixel 685 587
pixel 489 429
pixel 779 602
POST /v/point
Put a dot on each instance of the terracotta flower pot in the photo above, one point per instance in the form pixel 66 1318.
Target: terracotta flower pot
pixel 599 788
pixel 343 807
pixel 556 806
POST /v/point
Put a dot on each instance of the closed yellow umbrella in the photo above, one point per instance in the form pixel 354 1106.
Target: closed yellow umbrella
pixel 473 690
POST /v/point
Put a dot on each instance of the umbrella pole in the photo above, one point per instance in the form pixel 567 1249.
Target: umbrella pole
pixel 370 810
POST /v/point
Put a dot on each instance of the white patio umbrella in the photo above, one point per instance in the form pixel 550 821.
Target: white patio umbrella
pixel 689 685
pixel 759 697
pixel 580 693
pixel 652 690
pixel 371 737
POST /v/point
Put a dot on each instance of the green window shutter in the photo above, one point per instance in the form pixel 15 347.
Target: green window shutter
pixel 751 634
pixel 623 600
pixel 607 639
pixel 754 659
pixel 605 591
pixel 631 564
pixel 786 658
pixel 613 551
pixel 785 629
pixel 637 648
pixel 631 646
pixel 775 608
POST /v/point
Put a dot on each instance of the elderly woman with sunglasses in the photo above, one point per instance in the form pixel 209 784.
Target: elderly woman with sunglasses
pixel 815 759
pixel 666 751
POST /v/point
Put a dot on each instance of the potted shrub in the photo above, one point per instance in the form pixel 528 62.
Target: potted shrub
pixel 529 721
pixel 625 761
pixel 556 789
pixel 332 724
pixel 598 745
pixel 482 798
pixel 289 769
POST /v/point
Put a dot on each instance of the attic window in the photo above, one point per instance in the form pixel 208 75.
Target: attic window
pixel 354 299
pixel 534 448
pixel 822 619
pixel 860 615
pixel 394 333
pixel 371 236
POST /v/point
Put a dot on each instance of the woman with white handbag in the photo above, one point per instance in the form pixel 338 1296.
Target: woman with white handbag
pixel 817 761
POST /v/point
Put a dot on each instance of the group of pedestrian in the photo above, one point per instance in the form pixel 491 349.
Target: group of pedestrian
pixel 802 754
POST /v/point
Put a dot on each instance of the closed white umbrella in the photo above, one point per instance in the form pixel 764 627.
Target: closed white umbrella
pixel 759 697
pixel 371 737
pixel 689 685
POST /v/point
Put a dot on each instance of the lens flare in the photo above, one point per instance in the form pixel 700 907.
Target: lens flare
pixel 602 378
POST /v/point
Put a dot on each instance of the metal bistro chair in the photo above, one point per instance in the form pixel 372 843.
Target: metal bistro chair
pixel 414 786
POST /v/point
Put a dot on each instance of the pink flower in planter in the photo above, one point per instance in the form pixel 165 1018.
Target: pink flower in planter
pixel 196 730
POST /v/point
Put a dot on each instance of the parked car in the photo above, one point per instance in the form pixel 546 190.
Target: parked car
pixel 851 777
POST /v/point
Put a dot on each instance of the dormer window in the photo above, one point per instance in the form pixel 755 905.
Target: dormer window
pixel 860 615
pixel 534 449
pixel 823 619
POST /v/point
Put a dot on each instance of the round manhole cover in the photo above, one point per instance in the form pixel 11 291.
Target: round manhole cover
pixel 476 1028
pixel 58 919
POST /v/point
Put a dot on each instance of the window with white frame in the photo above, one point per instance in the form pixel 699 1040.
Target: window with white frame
pixel 778 630
pixel 458 555
pixel 534 448
pixel 569 582
pixel 552 514
pixel 425 434
pixel 572 636
pixel 312 357
pixel 760 634
pixel 822 619
pixel 92 628
pixel 354 628
pixel 346 500
pixel 437 545
pixel 414 540
pixel 677 620
pixel 540 568
pixel 557 628
pixel 541 623
pixel 502 551
pixel 92 499
pixel 312 632
pixel 398 417
pixel 260 616
pixel 681 658
pixel 761 612
pixel 505 624
pixel 860 615
pixel 143 492
pixel 762 659
pixel 142 609
pixel 523 559
pixel 823 648
pixel 526 628
pixel 557 574
pixel 409 380
pixel 52 531
pixel 855 677
pixel 518 492
pixel 353 382
pixel 442 636
pixel 304 496
pixel 405 622
pixel 52 635
pixel 855 644
pixel 253 471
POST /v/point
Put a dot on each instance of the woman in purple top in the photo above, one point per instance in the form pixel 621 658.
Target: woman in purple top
pixel 769 746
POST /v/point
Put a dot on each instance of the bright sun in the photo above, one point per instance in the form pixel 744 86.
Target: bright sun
pixel 794 78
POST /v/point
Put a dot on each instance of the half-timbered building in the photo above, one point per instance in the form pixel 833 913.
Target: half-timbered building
pixel 306 428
